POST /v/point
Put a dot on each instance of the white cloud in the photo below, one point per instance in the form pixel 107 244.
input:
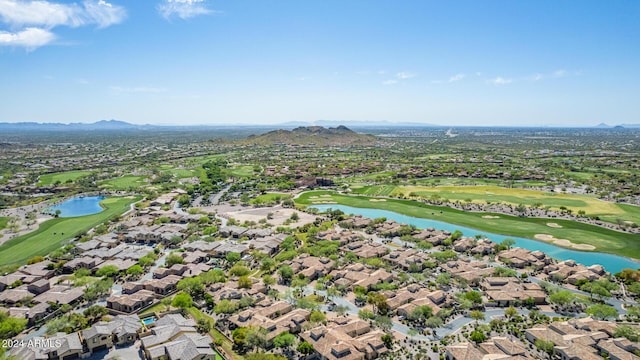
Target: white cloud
pixel 183 9
pixel 29 38
pixel 553 75
pixel 405 75
pixel 389 82
pixel 138 90
pixel 500 81
pixel 48 15
pixel 33 21
pixel 452 79
pixel 456 77
pixel 559 73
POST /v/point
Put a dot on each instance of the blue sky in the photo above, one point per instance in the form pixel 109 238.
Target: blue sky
pixel 515 63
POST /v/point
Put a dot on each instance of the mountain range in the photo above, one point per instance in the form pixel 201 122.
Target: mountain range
pixel 312 135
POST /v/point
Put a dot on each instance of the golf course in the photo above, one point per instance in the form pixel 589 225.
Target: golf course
pixel 61 177
pixel 592 206
pixel 51 234
pixel 600 239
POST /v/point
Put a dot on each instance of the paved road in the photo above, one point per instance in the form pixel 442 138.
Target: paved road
pixel 215 199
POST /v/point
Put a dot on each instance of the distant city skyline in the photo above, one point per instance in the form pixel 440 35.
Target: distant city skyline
pixel 202 62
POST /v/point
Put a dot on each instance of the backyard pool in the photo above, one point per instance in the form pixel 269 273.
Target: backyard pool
pixel 149 320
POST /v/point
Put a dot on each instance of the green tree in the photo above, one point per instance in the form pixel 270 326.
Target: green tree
pixel 284 340
pixel 477 336
pixel 226 307
pixel 244 282
pixel 135 270
pixel 510 312
pixel 182 300
pixel 239 335
pixel 173 259
pixel 268 280
pixel 601 311
pixel 387 340
pixel 629 332
pixel 267 264
pixel 233 257
pixel 379 302
pixel 10 327
pixel 145 261
pixel 95 312
pixel 473 296
pixel 477 315
pixel 545 346
pixel 256 337
pixel 213 276
pixel 305 348
pixel 286 273
pixel 562 297
pixel 107 271
pixel 239 270
pixel 366 314
pixel 192 286
pixel 317 317
pixel 203 326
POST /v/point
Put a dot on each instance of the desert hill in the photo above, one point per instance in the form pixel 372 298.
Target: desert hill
pixel 312 135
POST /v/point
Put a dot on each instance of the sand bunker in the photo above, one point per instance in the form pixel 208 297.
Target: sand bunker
pixel 491 217
pixel 377 200
pixel 554 225
pixel 564 242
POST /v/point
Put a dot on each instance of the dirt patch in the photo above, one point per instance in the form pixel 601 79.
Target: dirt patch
pixel 554 225
pixel 377 200
pixel 279 215
pixel 491 217
pixel 564 242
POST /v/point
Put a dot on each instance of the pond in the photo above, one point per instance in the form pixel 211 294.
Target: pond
pixel 612 263
pixel 78 206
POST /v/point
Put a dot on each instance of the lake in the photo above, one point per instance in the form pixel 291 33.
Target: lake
pixel 79 206
pixel 612 263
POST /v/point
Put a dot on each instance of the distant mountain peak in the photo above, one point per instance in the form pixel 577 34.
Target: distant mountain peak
pixel 312 135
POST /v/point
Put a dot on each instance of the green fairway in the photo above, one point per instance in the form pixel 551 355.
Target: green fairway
pixel 604 240
pixel 63 177
pixel 127 182
pixel 270 198
pixel 242 171
pixel 53 233
pixel 592 206
pixel 181 173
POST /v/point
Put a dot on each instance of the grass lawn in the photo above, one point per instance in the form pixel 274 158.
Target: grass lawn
pixel 608 211
pixel 270 198
pixel 62 177
pixel 3 222
pixel 53 233
pixel 242 171
pixel 180 173
pixel 604 240
pixel 155 308
pixel 215 334
pixel 124 182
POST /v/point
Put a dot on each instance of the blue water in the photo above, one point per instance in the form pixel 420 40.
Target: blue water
pixel 79 206
pixel 149 320
pixel 611 263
